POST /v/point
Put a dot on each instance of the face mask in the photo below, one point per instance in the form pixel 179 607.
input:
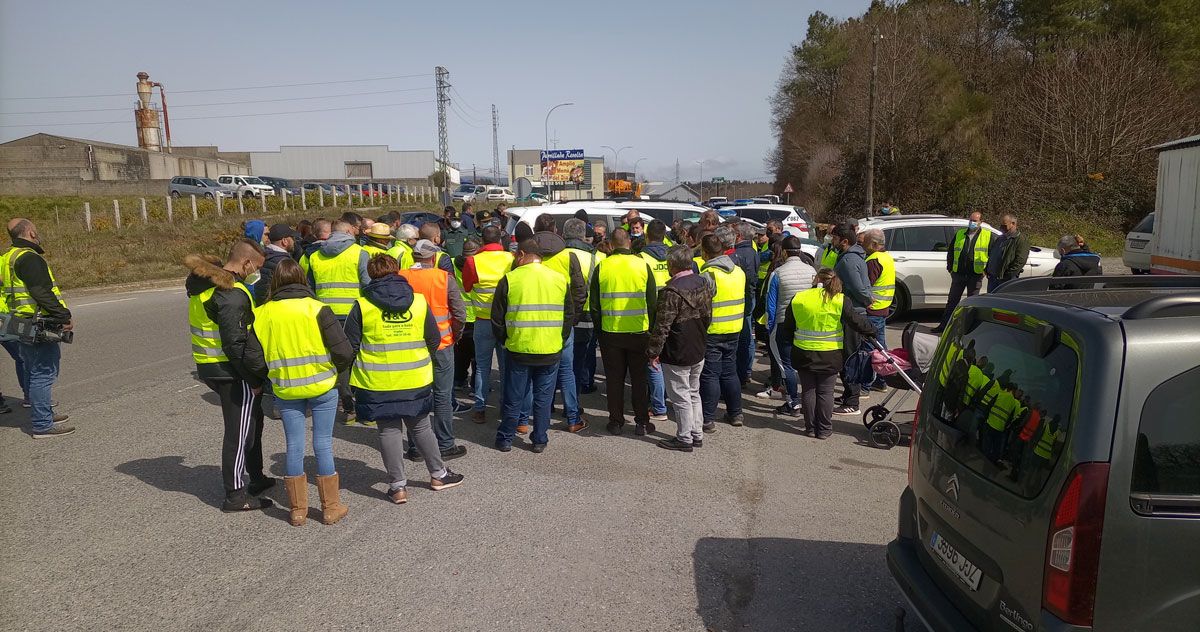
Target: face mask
pixel 252 278
pixel 636 234
pixel 828 239
pixel 972 225
pixel 455 224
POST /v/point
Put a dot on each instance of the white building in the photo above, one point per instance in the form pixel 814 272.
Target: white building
pixel 336 163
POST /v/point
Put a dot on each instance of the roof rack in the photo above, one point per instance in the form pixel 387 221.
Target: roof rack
pixel 1071 284
pixel 1182 304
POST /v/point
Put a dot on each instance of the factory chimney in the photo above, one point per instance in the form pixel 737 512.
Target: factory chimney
pixel 146 115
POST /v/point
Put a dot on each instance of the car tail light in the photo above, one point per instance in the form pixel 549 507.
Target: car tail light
pixel 912 442
pixel 1073 545
pixel 800 225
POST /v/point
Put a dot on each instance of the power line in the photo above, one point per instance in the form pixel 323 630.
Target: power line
pixel 283 85
pixel 201 105
pixel 224 116
pixel 464 101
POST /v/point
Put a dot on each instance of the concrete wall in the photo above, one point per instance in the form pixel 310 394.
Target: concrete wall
pixel 64 186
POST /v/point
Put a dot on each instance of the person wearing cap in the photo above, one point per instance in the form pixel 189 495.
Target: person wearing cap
pixel 406 236
pixel 482 272
pixel 531 316
pixel 440 290
pixel 377 239
pixel 464 347
pixel 454 233
pixel 281 243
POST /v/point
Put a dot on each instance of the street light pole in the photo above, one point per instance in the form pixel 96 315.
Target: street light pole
pixel 616 154
pixel 546 138
pixel 635 164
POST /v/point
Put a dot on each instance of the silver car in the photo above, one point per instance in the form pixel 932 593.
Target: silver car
pixel 182 186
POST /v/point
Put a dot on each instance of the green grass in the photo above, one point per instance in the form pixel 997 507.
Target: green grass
pixel 153 250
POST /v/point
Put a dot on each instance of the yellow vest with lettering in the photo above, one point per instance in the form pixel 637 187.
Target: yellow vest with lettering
pixel 392 355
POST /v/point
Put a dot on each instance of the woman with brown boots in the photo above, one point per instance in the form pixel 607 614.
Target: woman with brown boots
pixel 298 344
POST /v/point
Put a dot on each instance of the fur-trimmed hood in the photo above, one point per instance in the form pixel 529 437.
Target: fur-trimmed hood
pixel 206 272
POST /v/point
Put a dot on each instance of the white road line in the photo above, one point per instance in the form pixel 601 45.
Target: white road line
pixel 189 388
pixel 115 300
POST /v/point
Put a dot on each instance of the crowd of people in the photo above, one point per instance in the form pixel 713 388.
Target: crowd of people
pixel 381 321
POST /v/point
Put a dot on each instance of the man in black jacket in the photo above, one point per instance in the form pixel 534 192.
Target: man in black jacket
pixel 230 307
pixel 30 289
pixel 746 258
pixel 281 244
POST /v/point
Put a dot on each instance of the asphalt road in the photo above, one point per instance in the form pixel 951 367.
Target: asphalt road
pixel 117 526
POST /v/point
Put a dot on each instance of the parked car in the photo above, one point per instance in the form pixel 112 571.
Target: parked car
pixel 1054 467
pixel 329 189
pixel 469 193
pixel 420 217
pixel 919 243
pixel 280 185
pixel 603 212
pixel 796 220
pixel 199 187
pixel 1139 246
pixel 500 194
pixel 716 199
pixel 247 186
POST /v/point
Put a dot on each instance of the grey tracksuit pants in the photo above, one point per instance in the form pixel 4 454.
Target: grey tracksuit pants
pixel 683 390
pixel 391 445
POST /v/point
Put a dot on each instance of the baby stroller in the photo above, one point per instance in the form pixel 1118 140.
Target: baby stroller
pixel 904 370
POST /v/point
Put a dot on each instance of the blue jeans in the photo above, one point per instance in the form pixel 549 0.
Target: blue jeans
pixel 584 361
pixel 485 345
pixel 41 370
pixel 783 352
pixel 14 349
pixel 719 380
pixel 520 379
pixel 658 390
pixel 566 380
pixel 745 349
pixel 324 410
pixel 880 324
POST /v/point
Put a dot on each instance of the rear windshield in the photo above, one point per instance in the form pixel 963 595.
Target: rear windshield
pixel 1003 395
pixel 1145 226
pixel 763 214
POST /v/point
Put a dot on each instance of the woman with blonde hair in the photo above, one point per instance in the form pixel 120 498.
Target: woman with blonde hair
pixel 822 326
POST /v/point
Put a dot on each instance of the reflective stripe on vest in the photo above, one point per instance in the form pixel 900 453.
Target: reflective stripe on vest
pixel 468 297
pixel 490 267
pixel 336 278
pixel 729 302
pixel 434 284
pixel 884 288
pixel 1002 410
pixel 980 255
pixel 1045 444
pixel 622 282
pixel 818 320
pixel 298 363
pixel 16 296
pixel 587 265
pixel 206 336
pixel 536 298
pixel 402 253
pixel 393 356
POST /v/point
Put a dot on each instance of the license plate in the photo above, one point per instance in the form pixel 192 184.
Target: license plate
pixel 955 562
pixel 1138 244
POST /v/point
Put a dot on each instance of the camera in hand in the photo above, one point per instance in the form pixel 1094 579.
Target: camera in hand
pixel 32 330
pixel 52 332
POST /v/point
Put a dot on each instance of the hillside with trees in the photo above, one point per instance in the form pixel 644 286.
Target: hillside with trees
pixel 1041 107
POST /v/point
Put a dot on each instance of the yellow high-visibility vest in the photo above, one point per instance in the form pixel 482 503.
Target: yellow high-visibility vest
pixel 468 297
pixel 373 250
pixel 206 336
pixel 1045 444
pixel 818 320
pixel 490 267
pixel 403 254
pixel 393 355
pixel 622 281
pixel 659 269
pixel 536 297
pixel 298 362
pixel 729 302
pixel 336 278
pixel 829 256
pixel 16 296
pixel 883 290
pixel 980 254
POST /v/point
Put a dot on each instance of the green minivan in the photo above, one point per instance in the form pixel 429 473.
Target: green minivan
pixel 1054 470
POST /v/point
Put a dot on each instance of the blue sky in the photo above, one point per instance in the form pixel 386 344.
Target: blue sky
pixel 672 79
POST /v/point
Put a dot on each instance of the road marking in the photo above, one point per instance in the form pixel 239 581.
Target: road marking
pixel 115 300
pixel 189 388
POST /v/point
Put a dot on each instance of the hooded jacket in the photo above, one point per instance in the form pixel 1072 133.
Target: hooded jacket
pixel 336 245
pixel 332 336
pixel 391 293
pixel 34 272
pixel 263 287
pixel 726 264
pixel 1082 262
pixel 656 250
pixel 550 244
pixel 230 309
pixel 851 268
pixel 500 326
pixel 684 313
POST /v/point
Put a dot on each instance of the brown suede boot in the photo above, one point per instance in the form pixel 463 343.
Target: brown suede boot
pixel 297 491
pixel 332 508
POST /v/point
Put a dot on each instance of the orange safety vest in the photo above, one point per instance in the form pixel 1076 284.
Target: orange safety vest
pixel 433 284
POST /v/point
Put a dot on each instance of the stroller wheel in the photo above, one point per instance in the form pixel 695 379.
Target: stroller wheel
pixel 885 434
pixel 874 414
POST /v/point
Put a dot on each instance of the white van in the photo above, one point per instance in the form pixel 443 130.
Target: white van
pixel 247 186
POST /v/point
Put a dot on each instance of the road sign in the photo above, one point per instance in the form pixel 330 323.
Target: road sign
pixel 788 188
pixel 522 187
pixel 718 180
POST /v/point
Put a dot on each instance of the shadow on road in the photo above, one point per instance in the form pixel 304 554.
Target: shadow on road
pixel 775 584
pixel 169 474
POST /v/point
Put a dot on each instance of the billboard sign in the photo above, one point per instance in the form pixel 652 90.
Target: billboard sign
pixel 562 165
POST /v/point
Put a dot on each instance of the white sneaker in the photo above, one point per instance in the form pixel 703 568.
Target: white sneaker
pixel 662 417
pixel 770 393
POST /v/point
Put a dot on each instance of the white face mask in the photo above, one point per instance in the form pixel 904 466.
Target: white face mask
pixel 252 278
pixel 455 224
pixel 828 239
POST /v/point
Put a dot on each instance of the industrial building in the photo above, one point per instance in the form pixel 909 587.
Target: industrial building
pixel 347 164
pixel 45 164
pixel 527 163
